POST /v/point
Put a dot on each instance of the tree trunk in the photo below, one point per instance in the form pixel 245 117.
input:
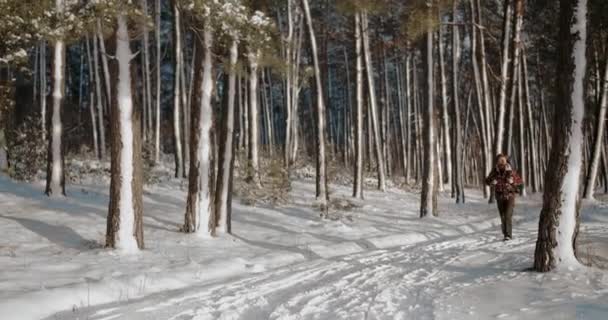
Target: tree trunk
pixel 429 195
pixel 458 146
pixel 92 98
pixel 322 193
pixel 43 88
pixel 223 204
pixel 177 96
pixel 55 173
pixel 254 159
pixel 104 63
pixel 102 130
pixel 559 218
pixel 599 134
pixel 125 216
pixel 158 82
pixel 533 146
pixel 199 216
pixel 372 102
pixel 447 144
pixel 147 74
pixel 504 76
pixel 358 163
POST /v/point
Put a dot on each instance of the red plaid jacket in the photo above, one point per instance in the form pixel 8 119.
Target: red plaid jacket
pixel 506 183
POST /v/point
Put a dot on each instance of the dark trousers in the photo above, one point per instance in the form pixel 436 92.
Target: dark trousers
pixel 505 207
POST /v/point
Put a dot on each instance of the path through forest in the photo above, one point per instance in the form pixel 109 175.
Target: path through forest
pixel 377 260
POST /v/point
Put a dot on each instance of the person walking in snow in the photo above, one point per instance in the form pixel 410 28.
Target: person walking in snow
pixel 506 183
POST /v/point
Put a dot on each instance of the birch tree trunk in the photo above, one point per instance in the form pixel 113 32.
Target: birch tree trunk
pixel 559 218
pixel 55 173
pixel 322 193
pixel 125 216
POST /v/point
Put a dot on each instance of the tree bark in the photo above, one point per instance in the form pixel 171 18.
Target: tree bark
pixel 559 218
pixel 358 163
pixel 254 158
pixel 223 204
pixel 177 96
pixel 372 102
pixel 322 193
pixel 199 217
pixel 125 216
pixel 55 172
pixel 504 76
pixel 429 195
pixel 599 134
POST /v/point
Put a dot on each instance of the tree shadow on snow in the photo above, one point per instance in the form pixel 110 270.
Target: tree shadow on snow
pixel 62 236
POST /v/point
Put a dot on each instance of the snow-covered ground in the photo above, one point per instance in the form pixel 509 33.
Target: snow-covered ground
pixel 377 260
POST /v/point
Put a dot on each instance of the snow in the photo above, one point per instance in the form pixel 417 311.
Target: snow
pixel 565 257
pixel 378 260
pixel 126 233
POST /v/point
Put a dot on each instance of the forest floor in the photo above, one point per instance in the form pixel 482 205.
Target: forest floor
pixel 374 260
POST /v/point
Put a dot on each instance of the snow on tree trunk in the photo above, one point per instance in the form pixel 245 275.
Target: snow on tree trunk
pixel 373 103
pixel 521 130
pixel 408 127
pixel 429 194
pixel 199 208
pixel 43 88
pixel 226 153
pixel 457 190
pixel 532 130
pixel 102 128
pixel 321 183
pixel 158 9
pixel 447 152
pixel 254 158
pixel 559 218
pixel 104 63
pixel 599 134
pixel 146 69
pixel 358 164
pixel 55 174
pixel 504 76
pixel 487 100
pixel 177 96
pixel 288 83
pixel 92 99
pixel 125 217
pixel 515 74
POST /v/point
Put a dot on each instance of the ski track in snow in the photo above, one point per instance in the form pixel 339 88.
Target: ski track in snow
pixel 378 261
